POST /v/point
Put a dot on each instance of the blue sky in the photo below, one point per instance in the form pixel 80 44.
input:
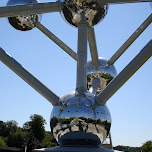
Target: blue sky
pixel 130 107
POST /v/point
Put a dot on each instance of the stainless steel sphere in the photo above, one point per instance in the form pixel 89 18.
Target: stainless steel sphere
pixel 74 11
pixel 23 22
pixel 78 122
pixel 105 73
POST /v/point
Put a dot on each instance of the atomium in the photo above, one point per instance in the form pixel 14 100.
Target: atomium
pixel 75 11
pixel 23 22
pixel 78 122
pixel 80 118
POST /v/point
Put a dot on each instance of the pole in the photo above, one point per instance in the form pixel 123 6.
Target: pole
pixel 131 39
pixel 102 2
pixel 125 74
pixel 28 9
pixel 28 77
pixel 93 47
pixel 81 84
pixel 95 85
pixel 56 40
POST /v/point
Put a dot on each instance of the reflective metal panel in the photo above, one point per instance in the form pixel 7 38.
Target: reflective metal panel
pixel 23 22
pixel 74 11
pixel 105 73
pixel 78 122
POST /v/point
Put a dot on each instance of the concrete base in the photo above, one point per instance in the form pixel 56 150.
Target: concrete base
pixel 74 149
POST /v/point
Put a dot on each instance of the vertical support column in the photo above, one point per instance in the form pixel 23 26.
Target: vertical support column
pixel 111 147
pixel 81 84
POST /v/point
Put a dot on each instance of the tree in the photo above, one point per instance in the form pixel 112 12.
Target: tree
pixel 31 136
pixel 23 139
pixel 18 139
pixel 2 142
pixel 32 143
pixel 36 126
pixel 147 147
pixel 11 126
pixel 6 128
pixel 49 140
pixel 3 129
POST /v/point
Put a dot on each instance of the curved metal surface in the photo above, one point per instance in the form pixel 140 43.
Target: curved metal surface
pixel 23 22
pixel 105 73
pixel 78 122
pixel 74 11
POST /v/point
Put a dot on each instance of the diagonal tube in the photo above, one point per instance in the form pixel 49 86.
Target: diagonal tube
pixel 95 84
pixel 28 77
pixel 81 84
pixel 27 9
pixel 125 74
pixel 131 39
pixel 102 2
pixel 93 47
pixel 56 40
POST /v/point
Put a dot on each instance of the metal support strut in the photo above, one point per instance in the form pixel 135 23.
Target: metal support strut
pixel 93 47
pixel 125 74
pixel 56 40
pixel 94 87
pixel 131 39
pixel 29 9
pixel 102 2
pixel 81 84
pixel 28 77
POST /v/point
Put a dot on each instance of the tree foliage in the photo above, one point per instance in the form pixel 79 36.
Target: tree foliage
pixel 18 139
pixel 49 140
pixel 32 143
pixel 30 136
pixel 147 147
pixel 2 142
pixel 36 126
pixel 6 128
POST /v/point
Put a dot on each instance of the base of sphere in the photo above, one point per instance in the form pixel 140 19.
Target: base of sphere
pixel 23 23
pixel 74 149
pixel 76 11
pixel 87 139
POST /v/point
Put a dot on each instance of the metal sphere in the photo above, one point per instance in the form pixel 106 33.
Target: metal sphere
pixel 74 11
pixel 77 122
pixel 105 73
pixel 23 22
